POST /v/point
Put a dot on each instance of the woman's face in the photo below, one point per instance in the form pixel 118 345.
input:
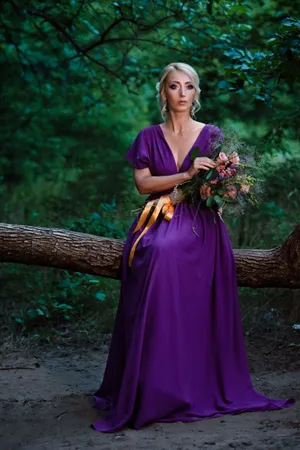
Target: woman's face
pixel 179 91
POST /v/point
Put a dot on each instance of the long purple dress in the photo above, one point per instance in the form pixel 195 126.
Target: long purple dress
pixel 177 351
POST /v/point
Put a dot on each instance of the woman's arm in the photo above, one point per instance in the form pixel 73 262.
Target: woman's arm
pixel 147 183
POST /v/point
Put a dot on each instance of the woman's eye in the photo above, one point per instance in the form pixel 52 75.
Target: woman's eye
pixel 174 86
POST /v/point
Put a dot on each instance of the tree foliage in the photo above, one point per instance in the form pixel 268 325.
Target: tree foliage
pixel 78 82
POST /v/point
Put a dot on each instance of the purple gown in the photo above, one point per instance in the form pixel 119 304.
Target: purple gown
pixel 177 350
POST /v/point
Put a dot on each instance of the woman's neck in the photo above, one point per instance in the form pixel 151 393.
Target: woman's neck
pixel 178 124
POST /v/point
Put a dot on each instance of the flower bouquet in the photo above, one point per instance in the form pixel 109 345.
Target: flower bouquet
pixel 232 184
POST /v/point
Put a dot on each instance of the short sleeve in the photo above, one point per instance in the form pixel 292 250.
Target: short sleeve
pixel 138 154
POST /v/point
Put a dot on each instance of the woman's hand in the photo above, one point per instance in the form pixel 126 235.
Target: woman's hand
pixel 198 164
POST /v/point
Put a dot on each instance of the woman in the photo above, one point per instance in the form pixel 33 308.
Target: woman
pixel 177 351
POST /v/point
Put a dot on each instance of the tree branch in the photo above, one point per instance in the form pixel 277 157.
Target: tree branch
pixel 101 40
pixel 58 27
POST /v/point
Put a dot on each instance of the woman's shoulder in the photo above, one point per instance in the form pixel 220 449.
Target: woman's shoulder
pixel 145 136
pixel 214 130
pixel 148 129
pixel 211 126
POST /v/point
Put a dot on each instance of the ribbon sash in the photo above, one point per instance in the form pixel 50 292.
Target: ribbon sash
pixel 163 205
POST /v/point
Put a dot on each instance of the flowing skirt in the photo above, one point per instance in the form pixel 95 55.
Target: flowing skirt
pixel 177 350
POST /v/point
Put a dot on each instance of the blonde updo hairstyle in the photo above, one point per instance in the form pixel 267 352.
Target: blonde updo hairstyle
pixel 161 87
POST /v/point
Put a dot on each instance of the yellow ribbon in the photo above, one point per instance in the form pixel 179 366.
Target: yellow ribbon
pixel 164 205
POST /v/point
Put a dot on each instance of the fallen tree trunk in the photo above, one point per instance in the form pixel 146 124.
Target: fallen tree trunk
pixel 79 252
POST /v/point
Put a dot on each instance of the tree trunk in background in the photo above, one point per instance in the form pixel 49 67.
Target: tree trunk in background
pixel 79 252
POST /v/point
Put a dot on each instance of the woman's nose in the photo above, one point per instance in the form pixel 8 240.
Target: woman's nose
pixel 182 91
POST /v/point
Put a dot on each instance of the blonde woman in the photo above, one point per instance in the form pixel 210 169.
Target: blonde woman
pixel 177 351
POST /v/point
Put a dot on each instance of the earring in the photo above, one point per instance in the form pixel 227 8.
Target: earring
pixel 165 106
pixel 192 110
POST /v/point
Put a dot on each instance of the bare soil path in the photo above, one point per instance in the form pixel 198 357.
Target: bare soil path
pixel 46 404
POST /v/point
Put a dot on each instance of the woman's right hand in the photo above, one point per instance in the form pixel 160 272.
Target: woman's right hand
pixel 198 164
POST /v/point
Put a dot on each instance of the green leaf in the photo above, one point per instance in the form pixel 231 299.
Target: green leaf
pixel 64 306
pixel 222 84
pixel 31 313
pixel 19 320
pixel 100 296
pixel 229 200
pixel 245 66
pixel 234 221
pixel 208 175
pixel 195 153
pixel 218 200
pixel 210 202
pixel 211 173
pixel 244 26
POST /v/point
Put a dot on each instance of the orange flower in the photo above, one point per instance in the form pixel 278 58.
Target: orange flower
pixel 205 191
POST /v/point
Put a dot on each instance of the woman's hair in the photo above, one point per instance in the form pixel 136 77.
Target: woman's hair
pixel 161 85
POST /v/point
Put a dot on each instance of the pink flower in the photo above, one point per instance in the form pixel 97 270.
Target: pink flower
pixel 228 173
pixel 234 158
pixel 245 188
pixel 221 167
pixel 205 191
pixel 221 161
pixel 222 156
pixel 232 191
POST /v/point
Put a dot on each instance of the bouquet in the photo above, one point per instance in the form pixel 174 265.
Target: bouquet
pixel 232 184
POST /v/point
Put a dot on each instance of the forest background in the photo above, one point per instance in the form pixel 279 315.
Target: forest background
pixel 77 85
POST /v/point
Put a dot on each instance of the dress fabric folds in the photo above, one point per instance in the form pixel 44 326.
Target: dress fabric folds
pixel 177 350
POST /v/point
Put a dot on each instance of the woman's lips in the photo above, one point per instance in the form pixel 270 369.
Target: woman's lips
pixel 182 101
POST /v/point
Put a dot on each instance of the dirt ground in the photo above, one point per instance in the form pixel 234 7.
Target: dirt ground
pixel 45 401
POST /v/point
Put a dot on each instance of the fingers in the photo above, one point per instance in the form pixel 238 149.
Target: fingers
pixel 205 161
pixel 202 166
pixel 206 164
pixel 202 163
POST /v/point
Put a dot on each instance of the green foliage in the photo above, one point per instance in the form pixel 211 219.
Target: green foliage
pixel 78 83
pixel 73 297
pixel 263 71
pixel 105 222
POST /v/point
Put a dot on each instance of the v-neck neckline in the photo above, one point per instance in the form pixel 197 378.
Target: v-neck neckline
pixel 170 150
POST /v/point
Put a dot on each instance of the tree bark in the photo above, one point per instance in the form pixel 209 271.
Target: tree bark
pixel 79 252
